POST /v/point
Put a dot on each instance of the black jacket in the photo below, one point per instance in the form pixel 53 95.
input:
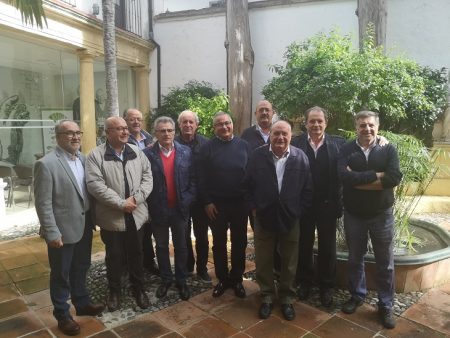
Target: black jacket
pixel 253 137
pixel 276 211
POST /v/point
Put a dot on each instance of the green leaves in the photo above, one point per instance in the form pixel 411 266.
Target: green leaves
pixel 31 11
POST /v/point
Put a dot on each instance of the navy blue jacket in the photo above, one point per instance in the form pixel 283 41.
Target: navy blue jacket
pixel 276 211
pixel 184 182
pixel 334 143
pixel 253 137
pixel 368 203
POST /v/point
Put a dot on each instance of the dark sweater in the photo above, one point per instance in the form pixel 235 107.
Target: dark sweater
pixel 368 203
pixel 221 169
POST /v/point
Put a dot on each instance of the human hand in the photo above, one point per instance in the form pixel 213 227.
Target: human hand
pixel 211 211
pixel 130 205
pixel 57 243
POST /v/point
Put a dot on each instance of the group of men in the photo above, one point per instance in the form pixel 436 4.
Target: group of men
pixel 134 186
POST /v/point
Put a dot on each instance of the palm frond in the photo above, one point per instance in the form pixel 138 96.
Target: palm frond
pixel 32 11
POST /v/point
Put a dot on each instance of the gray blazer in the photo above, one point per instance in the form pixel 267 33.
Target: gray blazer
pixel 60 204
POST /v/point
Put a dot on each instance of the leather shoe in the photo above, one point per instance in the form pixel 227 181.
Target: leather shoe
pixel 387 317
pixel 90 310
pixel 69 327
pixel 288 311
pixel 303 292
pixel 113 302
pixel 326 297
pixel 265 310
pixel 351 305
pixel 152 267
pixel 184 291
pixel 239 290
pixel 162 290
pixel 141 298
pixel 220 288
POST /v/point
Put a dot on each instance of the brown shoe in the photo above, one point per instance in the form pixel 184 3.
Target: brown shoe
pixel 69 327
pixel 90 310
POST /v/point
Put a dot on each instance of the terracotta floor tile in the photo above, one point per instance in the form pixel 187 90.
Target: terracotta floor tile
pixel 8 292
pixel 209 328
pixel 172 335
pixel 13 252
pixel 104 334
pixel 240 335
pixel 19 325
pixel 436 298
pixel 46 316
pixel 312 335
pixel 435 318
pixel 39 334
pixel 180 315
pixel 445 288
pixel 409 329
pixel 208 303
pixel 12 307
pixel 38 300
pixel 242 313
pixel 18 261
pixel 146 326
pixel 307 317
pixel 4 278
pixel 337 327
pixel 4 246
pixel 366 315
pixel 33 285
pixel 274 327
pixel 28 272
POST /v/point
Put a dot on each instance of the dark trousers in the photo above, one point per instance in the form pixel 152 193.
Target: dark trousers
pixel 69 265
pixel 231 215
pixel 177 225
pixel 381 231
pixel 147 245
pixel 324 220
pixel 123 246
pixel 200 224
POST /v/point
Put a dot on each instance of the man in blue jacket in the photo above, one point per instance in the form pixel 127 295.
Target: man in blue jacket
pixel 369 174
pixel 279 184
pixel 169 203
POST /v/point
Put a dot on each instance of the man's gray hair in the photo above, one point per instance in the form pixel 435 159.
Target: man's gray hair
pixel 365 114
pixel 219 114
pixel 59 125
pixel 163 119
pixel 316 108
pixel 185 112
pixel 126 111
pixel 281 121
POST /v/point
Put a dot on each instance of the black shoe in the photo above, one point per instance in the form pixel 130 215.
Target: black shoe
pixel 303 292
pixel 265 310
pixel 113 302
pixel 90 310
pixel 351 305
pixel 239 290
pixel 326 297
pixel 219 289
pixel 387 318
pixel 141 298
pixel 161 291
pixel 152 267
pixel 288 311
pixel 184 291
pixel 69 327
pixel 204 276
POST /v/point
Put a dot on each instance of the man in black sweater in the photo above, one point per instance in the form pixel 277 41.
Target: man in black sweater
pixel 369 174
pixel 222 164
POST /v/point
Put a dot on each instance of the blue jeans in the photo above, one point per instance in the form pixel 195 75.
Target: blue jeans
pixel 178 225
pixel 381 231
pixel 69 265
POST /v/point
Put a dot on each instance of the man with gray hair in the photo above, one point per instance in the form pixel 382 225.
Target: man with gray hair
pixel 369 174
pixel 188 124
pixel 118 176
pixel 222 164
pixel 169 203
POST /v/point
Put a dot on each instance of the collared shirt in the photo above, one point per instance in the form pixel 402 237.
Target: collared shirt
pixel 280 165
pixel 140 143
pixel 166 152
pixel 119 155
pixel 77 168
pixel 232 136
pixel 315 147
pixel 263 134
pixel 369 148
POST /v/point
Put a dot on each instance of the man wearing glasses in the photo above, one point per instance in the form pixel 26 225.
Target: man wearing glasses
pixel 173 194
pixel 62 205
pixel 221 169
pixel 118 176
pixel 142 139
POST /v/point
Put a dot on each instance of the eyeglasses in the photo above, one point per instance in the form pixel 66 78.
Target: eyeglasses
pixel 119 129
pixel 71 134
pixel 135 119
pixel 222 124
pixel 163 131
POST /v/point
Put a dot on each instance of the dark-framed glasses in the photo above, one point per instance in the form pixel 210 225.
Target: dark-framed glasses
pixel 163 131
pixel 222 124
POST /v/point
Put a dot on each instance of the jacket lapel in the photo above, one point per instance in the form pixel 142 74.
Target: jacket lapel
pixel 61 158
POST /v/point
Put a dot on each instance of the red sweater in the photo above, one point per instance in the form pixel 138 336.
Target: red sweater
pixel 169 173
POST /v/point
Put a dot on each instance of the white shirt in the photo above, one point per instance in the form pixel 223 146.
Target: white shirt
pixel 315 147
pixel 263 134
pixel 369 148
pixel 166 152
pixel 280 165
